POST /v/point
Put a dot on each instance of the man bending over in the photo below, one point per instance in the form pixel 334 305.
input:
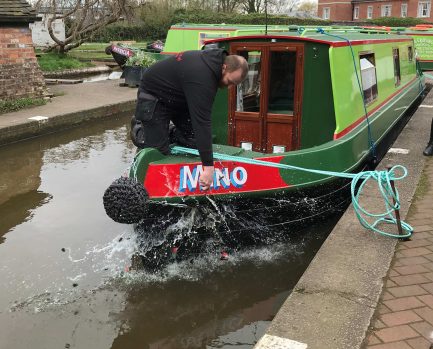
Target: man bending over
pixel 182 89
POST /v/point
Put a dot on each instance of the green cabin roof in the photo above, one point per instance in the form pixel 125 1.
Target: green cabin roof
pixel 184 36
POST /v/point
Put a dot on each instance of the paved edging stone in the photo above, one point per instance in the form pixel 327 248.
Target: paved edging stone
pixel 33 128
pixel 71 72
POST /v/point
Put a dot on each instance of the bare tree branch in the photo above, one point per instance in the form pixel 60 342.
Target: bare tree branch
pixel 83 18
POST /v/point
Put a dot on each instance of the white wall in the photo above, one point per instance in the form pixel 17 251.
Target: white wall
pixel 40 35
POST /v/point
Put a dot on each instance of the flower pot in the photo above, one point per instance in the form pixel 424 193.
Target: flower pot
pixel 133 75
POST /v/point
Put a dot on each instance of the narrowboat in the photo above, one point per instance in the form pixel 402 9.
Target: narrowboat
pixel 422 35
pixel 316 99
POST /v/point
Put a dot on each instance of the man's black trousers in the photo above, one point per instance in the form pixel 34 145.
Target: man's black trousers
pixel 150 126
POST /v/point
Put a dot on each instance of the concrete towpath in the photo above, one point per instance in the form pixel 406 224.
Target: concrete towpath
pixel 364 290
pixel 404 316
pixel 71 106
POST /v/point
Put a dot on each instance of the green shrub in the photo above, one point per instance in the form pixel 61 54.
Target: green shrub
pixel 54 61
pixel 140 59
pixel 7 106
pixel 396 21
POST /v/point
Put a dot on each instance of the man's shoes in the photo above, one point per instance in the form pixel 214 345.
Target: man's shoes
pixel 429 150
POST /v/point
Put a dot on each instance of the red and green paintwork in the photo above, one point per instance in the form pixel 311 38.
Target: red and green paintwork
pixel 333 126
pixel 422 35
pixel 183 37
pixel 423 40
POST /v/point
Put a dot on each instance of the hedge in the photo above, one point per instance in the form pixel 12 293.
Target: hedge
pixel 396 21
pixel 157 29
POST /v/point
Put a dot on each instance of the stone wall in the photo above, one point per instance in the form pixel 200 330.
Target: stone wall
pixel 20 75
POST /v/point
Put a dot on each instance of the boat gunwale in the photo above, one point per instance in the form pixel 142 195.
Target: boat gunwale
pixel 342 43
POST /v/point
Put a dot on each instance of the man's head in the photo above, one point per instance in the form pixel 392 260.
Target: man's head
pixel 235 70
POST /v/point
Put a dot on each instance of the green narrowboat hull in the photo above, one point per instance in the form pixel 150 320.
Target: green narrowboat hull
pixel 346 154
pixel 309 110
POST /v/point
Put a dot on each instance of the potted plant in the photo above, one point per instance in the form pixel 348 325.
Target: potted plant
pixel 135 67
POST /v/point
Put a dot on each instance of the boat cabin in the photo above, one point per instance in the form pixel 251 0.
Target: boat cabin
pixel 315 99
pixel 302 89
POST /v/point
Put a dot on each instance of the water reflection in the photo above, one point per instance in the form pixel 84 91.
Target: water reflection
pixel 62 260
pixel 205 302
pixel 21 166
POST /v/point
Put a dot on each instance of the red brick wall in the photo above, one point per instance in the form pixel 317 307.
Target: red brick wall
pixel 20 75
pixel 412 9
pixel 341 10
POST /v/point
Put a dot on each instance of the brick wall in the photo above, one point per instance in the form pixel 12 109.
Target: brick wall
pixel 20 75
pixel 342 10
pixel 412 9
pixel 339 10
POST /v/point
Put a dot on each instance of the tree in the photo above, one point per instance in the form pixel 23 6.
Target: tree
pixel 253 6
pixel 273 6
pixel 228 5
pixel 82 18
pixel 308 7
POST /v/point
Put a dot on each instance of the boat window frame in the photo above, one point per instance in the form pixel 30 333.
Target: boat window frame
pixel 360 55
pixel 410 53
pixel 397 68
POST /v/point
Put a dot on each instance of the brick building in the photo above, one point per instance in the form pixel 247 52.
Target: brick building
pixel 20 75
pixel 360 10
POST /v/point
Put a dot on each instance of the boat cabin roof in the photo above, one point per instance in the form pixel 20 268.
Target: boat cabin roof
pixel 333 37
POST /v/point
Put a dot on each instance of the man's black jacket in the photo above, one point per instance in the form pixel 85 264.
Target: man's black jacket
pixel 189 82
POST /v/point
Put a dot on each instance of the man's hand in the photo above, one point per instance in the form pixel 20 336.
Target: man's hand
pixel 206 178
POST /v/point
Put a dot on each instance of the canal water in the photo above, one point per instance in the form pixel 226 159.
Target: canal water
pixel 64 265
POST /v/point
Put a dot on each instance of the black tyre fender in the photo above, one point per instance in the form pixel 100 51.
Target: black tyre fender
pixel 108 50
pixel 125 201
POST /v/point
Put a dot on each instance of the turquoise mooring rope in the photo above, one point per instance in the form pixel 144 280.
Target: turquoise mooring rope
pixel 383 179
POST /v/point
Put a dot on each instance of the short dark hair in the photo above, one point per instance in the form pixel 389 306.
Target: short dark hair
pixel 235 62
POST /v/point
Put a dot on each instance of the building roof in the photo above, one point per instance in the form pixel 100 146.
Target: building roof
pixel 16 11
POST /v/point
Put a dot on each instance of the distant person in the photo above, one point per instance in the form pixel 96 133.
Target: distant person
pixel 182 89
pixel 429 150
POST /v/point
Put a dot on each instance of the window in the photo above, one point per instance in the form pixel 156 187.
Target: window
pixel 368 76
pixel 386 11
pixel 326 13
pixel 248 92
pixel 396 58
pixel 369 12
pixel 282 82
pixel 403 10
pixel 356 12
pixel 410 53
pixel 424 9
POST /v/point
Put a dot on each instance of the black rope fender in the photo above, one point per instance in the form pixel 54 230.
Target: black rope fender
pixel 125 201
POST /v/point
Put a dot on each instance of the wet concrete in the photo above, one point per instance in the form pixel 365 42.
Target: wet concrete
pixel 72 106
pixel 62 260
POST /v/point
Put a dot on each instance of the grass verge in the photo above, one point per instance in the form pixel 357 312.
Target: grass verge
pixel 54 62
pixel 21 103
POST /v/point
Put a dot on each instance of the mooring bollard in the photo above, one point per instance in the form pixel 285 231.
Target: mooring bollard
pixel 397 211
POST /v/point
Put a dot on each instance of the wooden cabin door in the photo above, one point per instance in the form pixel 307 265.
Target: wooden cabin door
pixel 265 109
